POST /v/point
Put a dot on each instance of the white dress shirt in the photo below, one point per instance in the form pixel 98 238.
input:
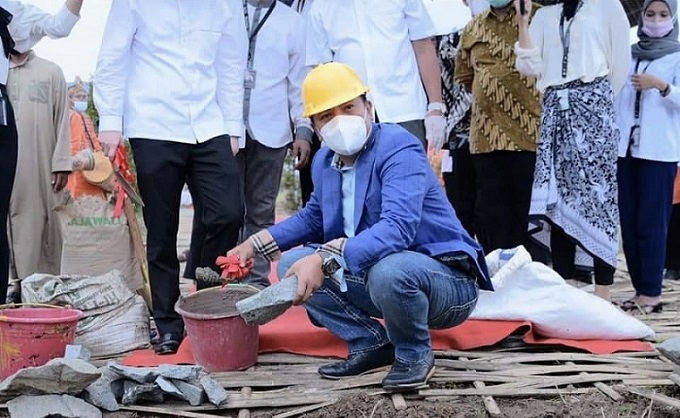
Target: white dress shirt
pixel 172 70
pixel 659 116
pixel 280 69
pixel 30 24
pixel 374 37
pixel 599 45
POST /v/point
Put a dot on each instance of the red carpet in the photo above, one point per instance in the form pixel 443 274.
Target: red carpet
pixel 293 333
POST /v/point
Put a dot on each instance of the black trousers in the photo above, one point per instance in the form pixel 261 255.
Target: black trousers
pixel 197 235
pixel 461 187
pixel 563 253
pixel 162 169
pixel 504 180
pixel 8 165
pixel 673 240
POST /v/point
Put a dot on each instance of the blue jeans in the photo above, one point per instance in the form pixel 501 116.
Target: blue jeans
pixel 412 292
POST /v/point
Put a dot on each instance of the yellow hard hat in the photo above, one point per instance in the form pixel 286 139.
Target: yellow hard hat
pixel 330 85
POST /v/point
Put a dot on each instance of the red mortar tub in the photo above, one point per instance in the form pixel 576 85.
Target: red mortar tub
pixel 221 341
pixel 32 335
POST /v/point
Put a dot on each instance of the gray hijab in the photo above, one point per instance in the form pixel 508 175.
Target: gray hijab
pixel 649 48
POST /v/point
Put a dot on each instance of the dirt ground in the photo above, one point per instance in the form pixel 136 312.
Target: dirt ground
pixel 594 405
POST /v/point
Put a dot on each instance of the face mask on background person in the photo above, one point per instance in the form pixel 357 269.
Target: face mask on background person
pixel 345 134
pixel 657 29
pixel 499 4
pixel 478 6
pixel 80 106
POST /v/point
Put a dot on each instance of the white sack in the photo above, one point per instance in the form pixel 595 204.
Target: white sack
pixel 530 291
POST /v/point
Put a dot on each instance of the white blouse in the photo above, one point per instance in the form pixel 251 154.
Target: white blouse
pixel 599 45
pixel 659 116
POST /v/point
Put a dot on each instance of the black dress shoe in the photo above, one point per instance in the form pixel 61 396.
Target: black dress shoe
pixel 168 344
pixel 404 377
pixel 359 364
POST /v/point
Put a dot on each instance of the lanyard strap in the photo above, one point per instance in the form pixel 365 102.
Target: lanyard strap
pixel 564 37
pixel 252 33
pixel 300 6
pixel 638 94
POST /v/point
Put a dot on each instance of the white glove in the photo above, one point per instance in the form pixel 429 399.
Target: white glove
pixel 435 131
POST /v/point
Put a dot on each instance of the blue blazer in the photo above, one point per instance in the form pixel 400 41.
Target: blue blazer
pixel 399 205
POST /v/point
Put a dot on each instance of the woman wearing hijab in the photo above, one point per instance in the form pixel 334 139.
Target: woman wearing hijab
pixel 648 113
pixel 579 52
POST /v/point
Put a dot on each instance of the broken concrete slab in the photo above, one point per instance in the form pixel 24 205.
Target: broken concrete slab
pixel 77 351
pixel 216 393
pixel 185 373
pixel 270 303
pixel 134 392
pixel 101 394
pixel 44 406
pixel 58 376
pixel 118 388
pixel 169 388
pixel 192 393
pixel 671 349
pixel 138 374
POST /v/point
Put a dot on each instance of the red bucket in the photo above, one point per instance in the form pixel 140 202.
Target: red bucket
pixel 221 341
pixel 32 336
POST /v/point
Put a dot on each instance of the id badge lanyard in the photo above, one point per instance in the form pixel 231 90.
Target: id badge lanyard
pixel 634 139
pixel 252 37
pixel 565 38
pixel 565 35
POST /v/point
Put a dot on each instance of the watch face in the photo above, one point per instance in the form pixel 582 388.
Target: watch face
pixel 330 266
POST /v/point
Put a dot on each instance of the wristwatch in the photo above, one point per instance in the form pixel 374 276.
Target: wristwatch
pixel 436 106
pixel 329 265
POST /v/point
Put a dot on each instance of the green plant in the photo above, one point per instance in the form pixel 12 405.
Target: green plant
pixel 290 197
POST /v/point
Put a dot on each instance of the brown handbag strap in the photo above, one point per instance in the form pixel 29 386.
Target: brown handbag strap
pixel 87 131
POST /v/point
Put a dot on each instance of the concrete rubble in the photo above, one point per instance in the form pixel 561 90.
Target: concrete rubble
pixel 169 388
pixel 134 392
pixel 671 349
pixel 51 390
pixel 185 373
pixel 270 303
pixel 59 376
pixel 138 374
pixel 101 393
pixel 216 393
pixel 192 393
pixel 62 406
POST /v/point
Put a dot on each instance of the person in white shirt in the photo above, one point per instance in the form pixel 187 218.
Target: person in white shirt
pixel 272 100
pixel 305 172
pixel 648 113
pixel 170 77
pixel 390 44
pixel 579 52
pixel 21 27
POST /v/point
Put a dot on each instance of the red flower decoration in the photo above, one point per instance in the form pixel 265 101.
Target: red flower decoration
pixel 231 268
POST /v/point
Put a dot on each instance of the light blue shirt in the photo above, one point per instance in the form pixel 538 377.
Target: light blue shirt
pixel 348 175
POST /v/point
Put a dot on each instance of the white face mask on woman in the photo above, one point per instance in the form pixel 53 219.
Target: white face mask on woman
pixel 345 134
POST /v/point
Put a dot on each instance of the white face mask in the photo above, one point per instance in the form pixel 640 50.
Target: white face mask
pixel 345 134
pixel 478 6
